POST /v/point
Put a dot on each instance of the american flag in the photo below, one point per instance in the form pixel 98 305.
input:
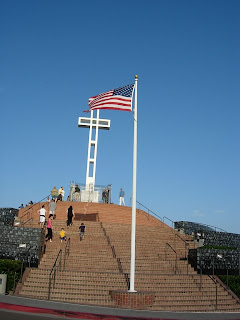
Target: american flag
pixel 117 99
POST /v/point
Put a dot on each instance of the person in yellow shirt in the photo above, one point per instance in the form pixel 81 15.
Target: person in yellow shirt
pixel 63 235
pixel 61 193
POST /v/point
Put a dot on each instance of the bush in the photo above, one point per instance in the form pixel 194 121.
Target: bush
pixel 233 283
pixel 13 269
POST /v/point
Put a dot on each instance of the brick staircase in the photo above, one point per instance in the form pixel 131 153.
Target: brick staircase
pixel 101 262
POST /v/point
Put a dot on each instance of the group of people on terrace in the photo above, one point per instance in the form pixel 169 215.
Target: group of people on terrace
pixel 28 204
pixel 57 194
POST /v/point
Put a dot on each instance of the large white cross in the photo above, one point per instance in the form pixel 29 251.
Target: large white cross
pixel 92 123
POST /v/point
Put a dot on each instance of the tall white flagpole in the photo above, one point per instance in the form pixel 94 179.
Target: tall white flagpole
pixel 134 189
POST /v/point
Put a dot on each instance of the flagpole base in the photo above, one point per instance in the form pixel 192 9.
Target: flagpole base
pixel 132 299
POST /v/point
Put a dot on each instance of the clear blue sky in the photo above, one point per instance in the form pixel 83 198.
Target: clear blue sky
pixel 54 55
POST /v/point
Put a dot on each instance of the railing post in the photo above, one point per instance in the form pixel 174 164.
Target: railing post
pixel 66 251
pixel 54 269
pixel 49 286
pixel 60 262
pixel 201 279
pixel 21 271
pixel 14 282
pixel 213 262
pixel 239 265
pixel 168 245
pixel 176 264
pixel 54 278
pixel 216 296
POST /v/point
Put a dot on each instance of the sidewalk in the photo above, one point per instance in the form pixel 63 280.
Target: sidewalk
pixel 60 310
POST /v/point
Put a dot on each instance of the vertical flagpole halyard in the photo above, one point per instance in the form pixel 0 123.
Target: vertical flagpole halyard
pixel 134 189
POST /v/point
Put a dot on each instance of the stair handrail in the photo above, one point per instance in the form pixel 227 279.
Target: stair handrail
pixel 147 209
pixel 23 223
pixel 215 282
pixel 22 265
pixel 185 242
pixel 208 225
pixel 169 246
pixel 25 254
pixel 222 284
pixel 169 220
pixel 175 233
pixel 66 252
pixel 43 241
pixel 31 206
pixel 52 274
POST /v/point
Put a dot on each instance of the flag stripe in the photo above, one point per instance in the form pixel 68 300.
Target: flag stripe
pixel 113 107
pixel 117 99
pixel 112 100
pixel 101 96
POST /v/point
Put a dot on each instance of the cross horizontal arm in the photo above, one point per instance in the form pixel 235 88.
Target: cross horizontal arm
pixel 100 123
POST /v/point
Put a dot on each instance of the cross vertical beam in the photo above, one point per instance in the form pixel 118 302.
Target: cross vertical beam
pixel 93 124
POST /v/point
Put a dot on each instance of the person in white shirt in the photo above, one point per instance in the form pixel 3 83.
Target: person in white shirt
pixel 63 193
pixel 42 214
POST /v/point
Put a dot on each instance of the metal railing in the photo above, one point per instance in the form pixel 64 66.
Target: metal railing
pixel 169 220
pixel 209 226
pixel 150 212
pixel 55 268
pixel 30 208
pixel 216 290
pixel 22 268
pixel 169 246
pixel 186 245
pixel 29 261
pixel 184 241
pixel 66 252
pixel 197 227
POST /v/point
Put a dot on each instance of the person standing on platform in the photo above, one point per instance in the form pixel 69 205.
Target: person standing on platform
pixel 104 196
pixel 63 194
pixel 54 193
pixel 42 214
pixel 121 197
pixel 60 194
pixel 77 193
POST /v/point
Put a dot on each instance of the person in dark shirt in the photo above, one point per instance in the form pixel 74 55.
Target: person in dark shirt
pixel 104 196
pixel 70 216
pixel 82 230
pixel 77 193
